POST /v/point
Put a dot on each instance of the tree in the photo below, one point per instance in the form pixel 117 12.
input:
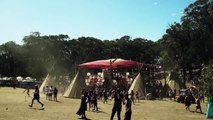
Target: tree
pixel 11 62
pixel 189 44
pixel 207 80
pixel 44 53
pixel 199 16
pixel 177 43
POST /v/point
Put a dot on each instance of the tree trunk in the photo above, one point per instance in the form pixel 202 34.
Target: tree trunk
pixel 184 73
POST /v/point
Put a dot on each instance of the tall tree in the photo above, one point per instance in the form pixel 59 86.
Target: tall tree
pixel 11 63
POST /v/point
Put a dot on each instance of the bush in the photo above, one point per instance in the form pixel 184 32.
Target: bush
pixel 207 80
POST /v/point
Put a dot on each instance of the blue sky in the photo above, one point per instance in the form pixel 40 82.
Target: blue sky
pixel 102 19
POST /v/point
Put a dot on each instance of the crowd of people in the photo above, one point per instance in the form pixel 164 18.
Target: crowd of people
pixel 123 97
pixel 118 79
pixel 51 93
pixel 89 99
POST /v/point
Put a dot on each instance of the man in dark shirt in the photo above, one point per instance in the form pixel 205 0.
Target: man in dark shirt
pixel 36 96
pixel 118 98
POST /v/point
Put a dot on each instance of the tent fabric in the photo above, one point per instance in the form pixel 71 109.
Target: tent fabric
pixel 44 83
pixel 75 87
pixel 173 85
pixel 172 82
pixel 138 86
pixel 163 80
pixel 110 63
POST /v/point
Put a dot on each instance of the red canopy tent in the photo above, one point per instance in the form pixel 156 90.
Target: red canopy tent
pixel 110 63
pixel 75 88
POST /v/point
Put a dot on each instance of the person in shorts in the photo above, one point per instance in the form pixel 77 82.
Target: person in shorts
pixel 36 96
pixel 47 92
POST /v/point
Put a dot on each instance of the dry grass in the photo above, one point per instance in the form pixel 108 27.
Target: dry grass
pixel 14 107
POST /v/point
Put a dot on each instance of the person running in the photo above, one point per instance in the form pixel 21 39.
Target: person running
pixel 27 88
pixel 118 98
pixel 128 112
pixel 36 96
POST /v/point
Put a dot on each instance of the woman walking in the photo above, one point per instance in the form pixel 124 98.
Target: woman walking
pixel 83 107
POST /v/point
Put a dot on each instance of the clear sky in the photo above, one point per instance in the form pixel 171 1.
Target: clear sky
pixel 102 19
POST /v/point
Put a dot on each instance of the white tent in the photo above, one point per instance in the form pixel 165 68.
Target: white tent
pixel 172 83
pixel 138 86
pixel 75 87
pixel 44 83
pixel 19 78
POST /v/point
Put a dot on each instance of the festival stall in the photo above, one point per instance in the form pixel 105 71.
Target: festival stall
pixel 101 78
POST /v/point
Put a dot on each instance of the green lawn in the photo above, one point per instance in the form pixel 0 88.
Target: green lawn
pixel 15 107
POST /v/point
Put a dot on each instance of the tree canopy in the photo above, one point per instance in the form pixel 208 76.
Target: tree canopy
pixel 185 47
pixel 57 53
pixel 188 45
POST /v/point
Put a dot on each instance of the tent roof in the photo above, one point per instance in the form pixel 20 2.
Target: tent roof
pixel 115 63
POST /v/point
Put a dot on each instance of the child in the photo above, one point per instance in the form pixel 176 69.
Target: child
pixel 187 102
pixel 198 106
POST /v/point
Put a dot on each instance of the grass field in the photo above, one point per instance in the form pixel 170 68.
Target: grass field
pixel 13 106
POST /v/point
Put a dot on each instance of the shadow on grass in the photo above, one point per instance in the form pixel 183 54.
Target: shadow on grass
pixel 55 101
pixel 139 103
pixel 95 111
pixel 58 101
pixel 198 112
pixel 42 109
pixel 84 118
